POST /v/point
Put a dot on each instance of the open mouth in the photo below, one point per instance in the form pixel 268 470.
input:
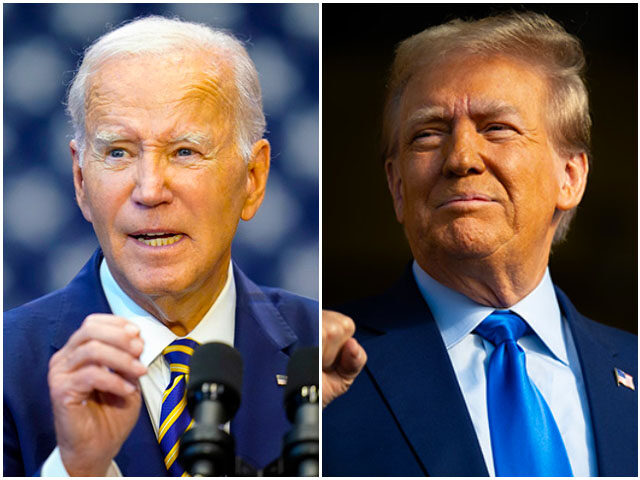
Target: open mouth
pixel 158 239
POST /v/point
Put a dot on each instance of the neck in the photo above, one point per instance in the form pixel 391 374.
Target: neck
pixel 491 281
pixel 181 315
pixel 181 312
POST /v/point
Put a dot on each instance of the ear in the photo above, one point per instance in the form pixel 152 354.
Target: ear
pixel 394 181
pixel 78 181
pixel 574 181
pixel 258 172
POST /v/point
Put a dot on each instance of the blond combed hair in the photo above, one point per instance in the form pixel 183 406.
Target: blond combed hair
pixel 530 37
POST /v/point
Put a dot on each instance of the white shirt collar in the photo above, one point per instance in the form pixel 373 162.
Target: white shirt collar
pixel 457 315
pixel 217 325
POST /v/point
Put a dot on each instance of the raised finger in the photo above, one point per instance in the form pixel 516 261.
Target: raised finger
pixel 85 380
pixel 122 335
pixel 98 353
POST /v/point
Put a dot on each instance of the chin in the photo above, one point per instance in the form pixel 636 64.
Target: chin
pixel 462 249
pixel 156 288
pixel 153 283
pixel 468 239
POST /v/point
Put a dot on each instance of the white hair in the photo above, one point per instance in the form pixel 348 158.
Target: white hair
pixel 156 34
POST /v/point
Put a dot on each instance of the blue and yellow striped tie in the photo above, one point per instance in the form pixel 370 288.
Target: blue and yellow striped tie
pixel 174 417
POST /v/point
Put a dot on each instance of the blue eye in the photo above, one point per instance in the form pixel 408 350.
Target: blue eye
pixel 185 152
pixel 116 153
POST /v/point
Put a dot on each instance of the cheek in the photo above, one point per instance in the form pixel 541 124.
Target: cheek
pixel 533 188
pixel 419 179
pixel 220 193
pixel 541 181
pixel 105 195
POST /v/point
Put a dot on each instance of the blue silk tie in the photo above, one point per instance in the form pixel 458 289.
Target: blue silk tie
pixel 174 416
pixel 525 439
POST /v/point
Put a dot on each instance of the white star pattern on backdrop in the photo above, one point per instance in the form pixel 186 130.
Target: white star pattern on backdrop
pixel 46 240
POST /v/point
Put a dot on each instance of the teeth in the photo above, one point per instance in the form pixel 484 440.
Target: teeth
pixel 160 242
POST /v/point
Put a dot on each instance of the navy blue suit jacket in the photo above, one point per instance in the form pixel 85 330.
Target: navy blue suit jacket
pixel 405 414
pixel 270 325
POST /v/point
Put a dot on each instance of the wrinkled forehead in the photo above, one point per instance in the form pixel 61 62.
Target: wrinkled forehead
pixel 477 83
pixel 163 79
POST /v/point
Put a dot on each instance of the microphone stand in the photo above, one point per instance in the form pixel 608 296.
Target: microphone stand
pixel 301 444
pixel 206 450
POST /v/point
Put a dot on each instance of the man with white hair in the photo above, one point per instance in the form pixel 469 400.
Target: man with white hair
pixel 168 156
pixel 476 364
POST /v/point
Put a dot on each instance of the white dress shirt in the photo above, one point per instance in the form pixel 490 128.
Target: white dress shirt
pixel 551 361
pixel 217 325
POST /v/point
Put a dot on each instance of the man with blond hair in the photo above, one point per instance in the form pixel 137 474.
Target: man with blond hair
pixel 168 155
pixel 475 363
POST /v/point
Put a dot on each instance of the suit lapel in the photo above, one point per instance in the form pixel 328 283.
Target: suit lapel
pixel 140 455
pixel 262 337
pixel 83 296
pixel 613 409
pixel 411 357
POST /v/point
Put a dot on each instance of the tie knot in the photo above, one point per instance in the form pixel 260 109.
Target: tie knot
pixel 500 327
pixel 178 355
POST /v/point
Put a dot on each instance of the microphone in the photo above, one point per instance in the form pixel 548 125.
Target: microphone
pixel 301 444
pixel 213 398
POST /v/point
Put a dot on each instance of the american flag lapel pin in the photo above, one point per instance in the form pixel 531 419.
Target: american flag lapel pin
pixel 281 380
pixel 623 378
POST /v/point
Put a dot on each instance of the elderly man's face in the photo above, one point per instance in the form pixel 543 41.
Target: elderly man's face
pixel 162 182
pixel 476 172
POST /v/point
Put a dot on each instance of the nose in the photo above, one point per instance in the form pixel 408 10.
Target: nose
pixel 462 154
pixel 151 181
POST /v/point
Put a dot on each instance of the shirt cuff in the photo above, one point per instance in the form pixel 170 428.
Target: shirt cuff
pixel 53 467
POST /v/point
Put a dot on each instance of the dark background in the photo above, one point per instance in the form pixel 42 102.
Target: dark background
pixel 46 240
pixel 364 249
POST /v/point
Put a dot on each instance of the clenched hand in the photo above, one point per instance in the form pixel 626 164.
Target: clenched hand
pixel 342 356
pixel 93 381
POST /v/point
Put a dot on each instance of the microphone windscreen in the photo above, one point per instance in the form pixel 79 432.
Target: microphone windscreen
pixel 302 370
pixel 216 363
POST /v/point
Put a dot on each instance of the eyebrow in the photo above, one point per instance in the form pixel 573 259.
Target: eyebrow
pixel 197 138
pixel 105 138
pixel 488 108
pixel 478 108
pixel 428 114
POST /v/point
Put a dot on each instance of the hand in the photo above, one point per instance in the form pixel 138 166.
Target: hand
pixel 342 356
pixel 93 382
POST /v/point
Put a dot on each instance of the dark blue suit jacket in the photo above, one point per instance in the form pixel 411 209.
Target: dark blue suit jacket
pixel 405 414
pixel 270 325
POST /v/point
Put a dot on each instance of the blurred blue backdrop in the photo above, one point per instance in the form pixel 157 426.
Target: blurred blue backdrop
pixel 46 240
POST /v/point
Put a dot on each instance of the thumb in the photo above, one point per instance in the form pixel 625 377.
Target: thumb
pixel 351 360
